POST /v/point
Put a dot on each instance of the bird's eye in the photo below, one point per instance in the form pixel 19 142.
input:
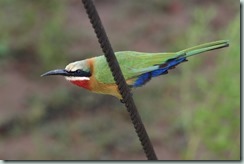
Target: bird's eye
pixel 79 71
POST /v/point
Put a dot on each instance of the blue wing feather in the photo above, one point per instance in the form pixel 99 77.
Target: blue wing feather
pixel 162 69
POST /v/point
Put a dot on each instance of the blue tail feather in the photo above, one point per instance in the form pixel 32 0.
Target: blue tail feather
pixel 144 78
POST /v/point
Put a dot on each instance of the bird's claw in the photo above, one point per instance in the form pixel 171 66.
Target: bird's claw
pixel 122 101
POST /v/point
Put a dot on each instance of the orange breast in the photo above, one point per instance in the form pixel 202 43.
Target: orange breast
pixel 98 87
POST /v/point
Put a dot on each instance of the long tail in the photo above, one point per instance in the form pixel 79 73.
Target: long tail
pixel 203 48
pixel 178 58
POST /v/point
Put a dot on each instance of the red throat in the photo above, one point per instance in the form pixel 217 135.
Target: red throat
pixel 81 83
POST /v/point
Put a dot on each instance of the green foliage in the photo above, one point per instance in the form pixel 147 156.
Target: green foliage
pixel 216 118
pixel 224 101
pixel 53 41
pixel 26 30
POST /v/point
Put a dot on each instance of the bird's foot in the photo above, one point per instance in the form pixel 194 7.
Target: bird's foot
pixel 122 101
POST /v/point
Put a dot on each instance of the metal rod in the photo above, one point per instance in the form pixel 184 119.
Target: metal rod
pixel 119 78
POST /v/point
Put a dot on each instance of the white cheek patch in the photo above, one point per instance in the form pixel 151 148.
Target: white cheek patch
pixel 72 78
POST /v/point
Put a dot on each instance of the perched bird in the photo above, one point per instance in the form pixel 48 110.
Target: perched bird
pixel 137 67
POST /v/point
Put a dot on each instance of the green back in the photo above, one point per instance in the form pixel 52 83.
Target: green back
pixel 131 63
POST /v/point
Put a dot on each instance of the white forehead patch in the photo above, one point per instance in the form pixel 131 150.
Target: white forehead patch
pixel 72 78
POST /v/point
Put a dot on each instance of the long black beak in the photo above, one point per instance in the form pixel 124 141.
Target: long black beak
pixel 56 72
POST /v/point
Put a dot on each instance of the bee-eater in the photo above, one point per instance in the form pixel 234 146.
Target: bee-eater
pixel 137 67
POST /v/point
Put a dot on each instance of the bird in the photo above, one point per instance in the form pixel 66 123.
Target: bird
pixel 138 68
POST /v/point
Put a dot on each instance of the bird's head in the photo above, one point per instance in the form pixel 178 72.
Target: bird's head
pixel 77 72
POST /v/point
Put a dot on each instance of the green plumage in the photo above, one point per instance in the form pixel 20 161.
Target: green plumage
pixel 133 64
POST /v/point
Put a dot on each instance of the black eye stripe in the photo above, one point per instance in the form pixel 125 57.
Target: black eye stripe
pixel 79 73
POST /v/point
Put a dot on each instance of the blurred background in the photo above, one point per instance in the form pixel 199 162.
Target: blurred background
pixel 193 113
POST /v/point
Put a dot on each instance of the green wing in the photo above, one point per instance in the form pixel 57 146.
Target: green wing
pixel 131 63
